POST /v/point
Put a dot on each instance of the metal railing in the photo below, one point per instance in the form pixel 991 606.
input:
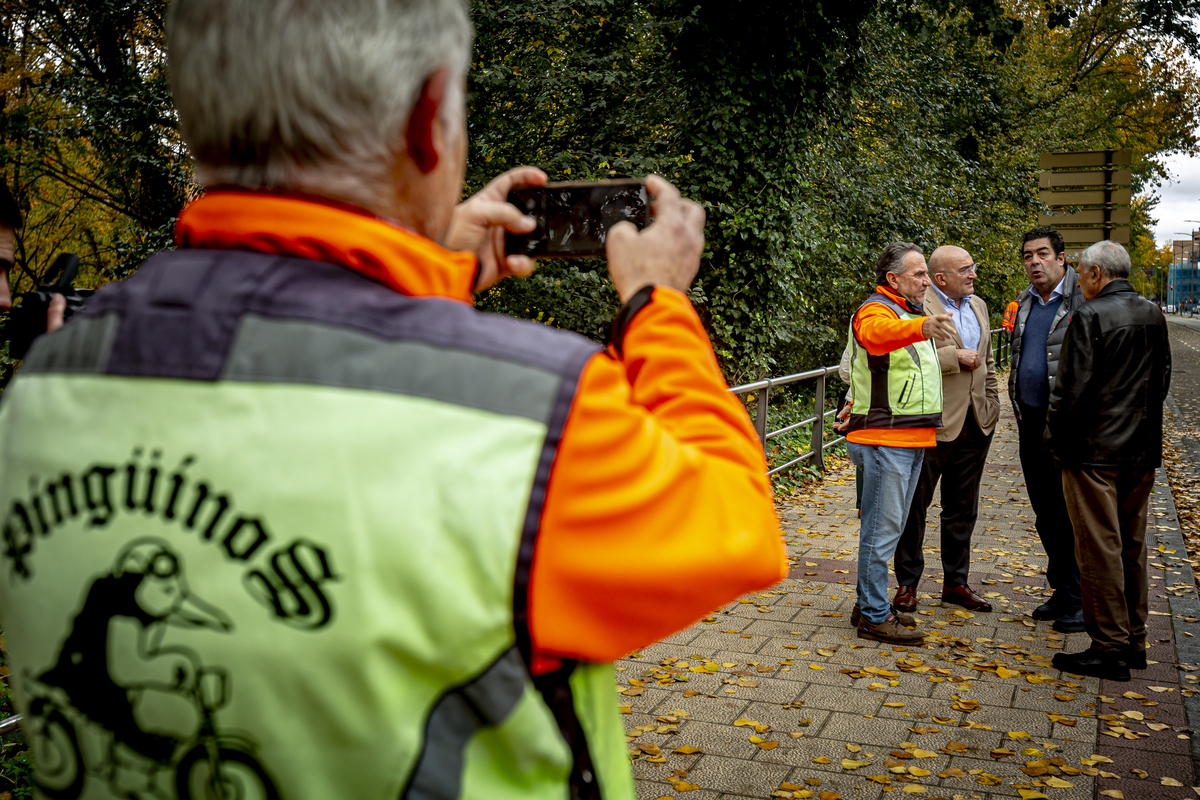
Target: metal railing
pixel 817 420
pixel 1001 353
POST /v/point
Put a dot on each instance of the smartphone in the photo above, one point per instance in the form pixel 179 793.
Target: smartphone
pixel 574 217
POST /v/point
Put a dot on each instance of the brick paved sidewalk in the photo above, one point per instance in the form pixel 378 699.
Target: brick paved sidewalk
pixel 767 696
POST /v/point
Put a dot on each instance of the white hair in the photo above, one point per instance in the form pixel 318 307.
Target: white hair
pixel 310 95
pixel 1110 257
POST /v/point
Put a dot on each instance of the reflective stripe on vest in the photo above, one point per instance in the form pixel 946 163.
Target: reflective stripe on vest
pixel 900 389
pixel 291 539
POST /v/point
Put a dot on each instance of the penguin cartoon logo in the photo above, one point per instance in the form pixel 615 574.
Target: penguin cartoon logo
pixel 117 675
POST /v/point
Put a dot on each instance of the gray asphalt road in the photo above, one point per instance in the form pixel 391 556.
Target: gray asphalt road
pixel 1183 465
pixel 1185 369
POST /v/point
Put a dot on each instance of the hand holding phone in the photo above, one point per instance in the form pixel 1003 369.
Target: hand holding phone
pixel 479 224
pixel 666 253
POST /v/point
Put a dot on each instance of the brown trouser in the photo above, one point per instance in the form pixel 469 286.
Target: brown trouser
pixel 1108 511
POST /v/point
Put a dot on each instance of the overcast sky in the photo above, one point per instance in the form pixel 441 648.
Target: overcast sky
pixel 1180 201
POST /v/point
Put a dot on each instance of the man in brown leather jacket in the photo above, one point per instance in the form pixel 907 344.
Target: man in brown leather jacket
pixel 1104 426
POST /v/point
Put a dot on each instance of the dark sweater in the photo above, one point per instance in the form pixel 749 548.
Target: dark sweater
pixel 1033 385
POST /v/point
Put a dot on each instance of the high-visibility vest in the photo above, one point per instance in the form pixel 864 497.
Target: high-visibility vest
pixel 269 520
pixel 1010 315
pixel 901 389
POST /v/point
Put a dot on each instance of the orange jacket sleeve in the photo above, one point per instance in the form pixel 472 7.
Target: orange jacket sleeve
pixel 658 509
pixel 881 331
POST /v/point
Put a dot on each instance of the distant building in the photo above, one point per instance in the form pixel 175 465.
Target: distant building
pixel 1183 277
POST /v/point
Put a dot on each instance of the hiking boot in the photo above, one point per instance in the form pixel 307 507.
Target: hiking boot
pixel 890 631
pixel 904 619
pixel 1109 665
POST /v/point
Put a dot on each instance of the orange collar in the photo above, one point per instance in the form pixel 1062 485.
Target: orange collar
pixel 310 227
pixel 899 300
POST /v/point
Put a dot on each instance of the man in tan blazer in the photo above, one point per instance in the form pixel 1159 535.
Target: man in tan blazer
pixel 970 409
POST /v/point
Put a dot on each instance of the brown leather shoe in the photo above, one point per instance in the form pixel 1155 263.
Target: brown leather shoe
pixel 906 599
pixel 963 596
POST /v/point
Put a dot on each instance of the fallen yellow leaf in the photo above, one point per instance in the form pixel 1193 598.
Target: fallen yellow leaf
pixel 1032 794
pixel 914 788
pixel 918 753
pixel 1170 782
pixel 1018 735
pixel 686 750
pixel 1117 793
pixel 1058 783
pixel 851 763
pixel 893 705
pixel 821 760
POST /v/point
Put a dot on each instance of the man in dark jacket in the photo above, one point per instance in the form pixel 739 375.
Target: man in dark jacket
pixel 1045 310
pixel 1104 427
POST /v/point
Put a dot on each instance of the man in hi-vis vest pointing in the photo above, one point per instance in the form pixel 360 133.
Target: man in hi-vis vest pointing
pixel 895 411
pixel 316 526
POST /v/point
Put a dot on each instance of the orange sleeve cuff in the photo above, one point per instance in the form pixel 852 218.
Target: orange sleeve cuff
pixel 658 508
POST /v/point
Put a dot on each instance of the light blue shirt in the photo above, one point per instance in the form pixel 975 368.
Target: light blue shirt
pixel 964 319
pixel 1054 295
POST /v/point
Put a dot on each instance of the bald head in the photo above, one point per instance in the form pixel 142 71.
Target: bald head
pixel 953 271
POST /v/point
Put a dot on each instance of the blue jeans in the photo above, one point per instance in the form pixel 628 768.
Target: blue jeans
pixel 890 477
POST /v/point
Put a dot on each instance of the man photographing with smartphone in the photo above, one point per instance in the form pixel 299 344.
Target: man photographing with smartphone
pixel 430 529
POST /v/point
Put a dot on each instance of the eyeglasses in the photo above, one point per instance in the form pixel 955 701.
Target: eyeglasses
pixel 969 269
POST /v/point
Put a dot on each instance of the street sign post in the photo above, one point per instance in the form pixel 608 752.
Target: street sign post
pixel 1088 195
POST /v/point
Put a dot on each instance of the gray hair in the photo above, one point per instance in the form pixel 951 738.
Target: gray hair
pixel 310 95
pixel 1110 257
pixel 892 260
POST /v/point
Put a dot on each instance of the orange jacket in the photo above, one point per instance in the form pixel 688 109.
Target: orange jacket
pixel 881 331
pixel 657 510
pixel 1010 315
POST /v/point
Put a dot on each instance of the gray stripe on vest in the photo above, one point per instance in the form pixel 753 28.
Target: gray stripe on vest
pixel 459 715
pixel 290 351
pixel 916 357
pixel 81 346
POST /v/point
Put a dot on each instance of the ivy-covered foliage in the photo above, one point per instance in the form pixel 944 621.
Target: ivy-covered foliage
pixel 814 134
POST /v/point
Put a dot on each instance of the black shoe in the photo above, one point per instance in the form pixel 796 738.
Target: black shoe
pixel 1136 658
pixel 1051 609
pixel 1111 666
pixel 1070 623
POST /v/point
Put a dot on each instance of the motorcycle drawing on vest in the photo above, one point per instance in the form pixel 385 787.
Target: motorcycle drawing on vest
pixel 213 766
pixel 120 706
